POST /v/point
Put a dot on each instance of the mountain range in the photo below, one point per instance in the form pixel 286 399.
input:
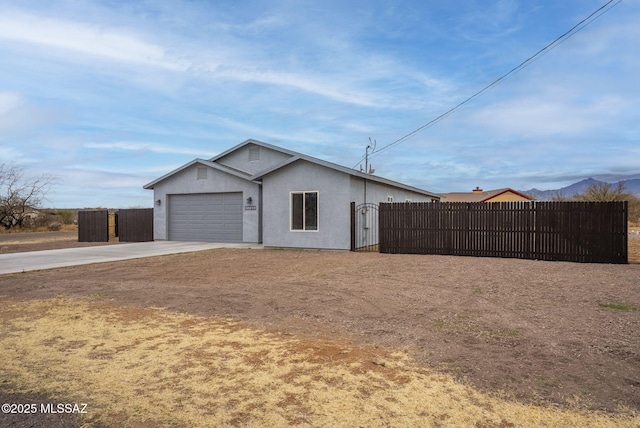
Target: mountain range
pixel 632 186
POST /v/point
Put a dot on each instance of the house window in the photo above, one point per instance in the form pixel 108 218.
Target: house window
pixel 304 211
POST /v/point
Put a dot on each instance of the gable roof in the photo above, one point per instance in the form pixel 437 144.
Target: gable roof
pixel 483 196
pixel 294 157
pixel 254 142
pixel 217 166
pixel 352 172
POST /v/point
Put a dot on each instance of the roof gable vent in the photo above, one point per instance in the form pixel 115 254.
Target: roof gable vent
pixel 254 154
pixel 202 173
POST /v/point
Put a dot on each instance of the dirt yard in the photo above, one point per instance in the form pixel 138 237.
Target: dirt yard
pixel 550 333
pixel 38 241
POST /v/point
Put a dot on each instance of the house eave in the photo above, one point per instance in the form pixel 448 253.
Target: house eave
pixel 201 162
pixel 294 157
pixel 344 170
pixel 254 142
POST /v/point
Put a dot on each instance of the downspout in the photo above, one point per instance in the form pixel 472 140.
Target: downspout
pixel 365 190
pixel 260 213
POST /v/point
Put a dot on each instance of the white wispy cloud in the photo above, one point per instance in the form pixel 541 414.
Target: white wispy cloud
pixel 550 114
pixel 19 114
pixel 146 86
pixel 91 40
pixel 137 146
pixel 239 61
pixel 8 102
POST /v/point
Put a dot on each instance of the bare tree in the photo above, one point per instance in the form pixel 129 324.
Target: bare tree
pixel 606 192
pixel 19 195
pixel 558 196
pixel 603 192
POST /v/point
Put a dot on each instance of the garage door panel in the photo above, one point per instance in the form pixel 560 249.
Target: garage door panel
pixel 211 217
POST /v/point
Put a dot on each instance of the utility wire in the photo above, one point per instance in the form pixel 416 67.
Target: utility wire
pixel 560 39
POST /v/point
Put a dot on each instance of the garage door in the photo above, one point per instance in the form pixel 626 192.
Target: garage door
pixel 209 217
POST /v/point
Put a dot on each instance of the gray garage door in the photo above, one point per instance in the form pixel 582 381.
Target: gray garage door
pixel 209 217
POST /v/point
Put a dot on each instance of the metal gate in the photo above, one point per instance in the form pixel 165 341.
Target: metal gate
pixel 364 227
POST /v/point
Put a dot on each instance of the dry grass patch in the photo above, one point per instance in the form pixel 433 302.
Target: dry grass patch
pixel 39 240
pixel 147 366
pixel 633 249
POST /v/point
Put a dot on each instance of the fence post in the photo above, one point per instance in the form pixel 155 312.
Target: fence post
pixel 352 215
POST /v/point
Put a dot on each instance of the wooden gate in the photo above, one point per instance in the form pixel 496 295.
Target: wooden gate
pixel 93 226
pixel 135 225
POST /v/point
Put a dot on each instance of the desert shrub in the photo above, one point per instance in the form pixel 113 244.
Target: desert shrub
pixel 605 192
pixel 66 216
pixel 41 220
pixel 54 226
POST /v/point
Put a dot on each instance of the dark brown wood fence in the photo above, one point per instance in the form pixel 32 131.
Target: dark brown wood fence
pixel 135 225
pixel 590 232
pixel 93 226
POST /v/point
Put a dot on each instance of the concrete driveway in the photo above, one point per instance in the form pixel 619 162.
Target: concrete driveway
pixel 48 259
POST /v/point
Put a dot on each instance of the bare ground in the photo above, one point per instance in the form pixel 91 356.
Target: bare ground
pixel 555 333
pixel 38 241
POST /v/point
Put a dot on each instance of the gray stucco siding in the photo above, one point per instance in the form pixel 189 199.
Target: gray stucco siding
pixel 187 182
pixel 240 159
pixel 378 192
pixel 334 194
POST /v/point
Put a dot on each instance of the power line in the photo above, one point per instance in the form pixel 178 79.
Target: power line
pixel 559 40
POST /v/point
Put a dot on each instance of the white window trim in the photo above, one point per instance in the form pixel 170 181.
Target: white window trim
pixel 291 229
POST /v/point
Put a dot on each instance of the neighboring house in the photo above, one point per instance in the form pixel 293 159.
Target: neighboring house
pixel 259 193
pixel 479 195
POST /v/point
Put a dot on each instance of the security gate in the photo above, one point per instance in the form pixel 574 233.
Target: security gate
pixel 364 227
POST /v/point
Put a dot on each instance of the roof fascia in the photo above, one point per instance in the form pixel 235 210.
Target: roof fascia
pixel 503 191
pixel 344 170
pixel 255 142
pixel 462 196
pixel 284 163
pixel 193 162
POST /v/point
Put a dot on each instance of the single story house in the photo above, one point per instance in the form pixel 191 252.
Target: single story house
pixel 260 193
pixel 478 195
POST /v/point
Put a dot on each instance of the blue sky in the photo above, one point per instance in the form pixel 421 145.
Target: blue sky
pixel 108 95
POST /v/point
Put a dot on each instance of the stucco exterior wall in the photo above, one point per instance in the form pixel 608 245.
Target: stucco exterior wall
pixel 377 192
pixel 335 192
pixel 507 197
pixel 240 159
pixel 334 195
pixel 186 181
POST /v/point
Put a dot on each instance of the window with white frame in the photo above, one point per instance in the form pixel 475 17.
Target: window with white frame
pixel 304 211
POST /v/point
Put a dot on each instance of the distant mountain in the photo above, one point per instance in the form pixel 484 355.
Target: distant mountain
pixel 632 186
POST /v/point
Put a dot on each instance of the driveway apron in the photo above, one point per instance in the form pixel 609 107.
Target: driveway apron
pixel 49 259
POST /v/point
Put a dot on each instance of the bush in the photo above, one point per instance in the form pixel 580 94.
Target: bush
pixel 55 226
pixel 66 216
pixel 606 192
